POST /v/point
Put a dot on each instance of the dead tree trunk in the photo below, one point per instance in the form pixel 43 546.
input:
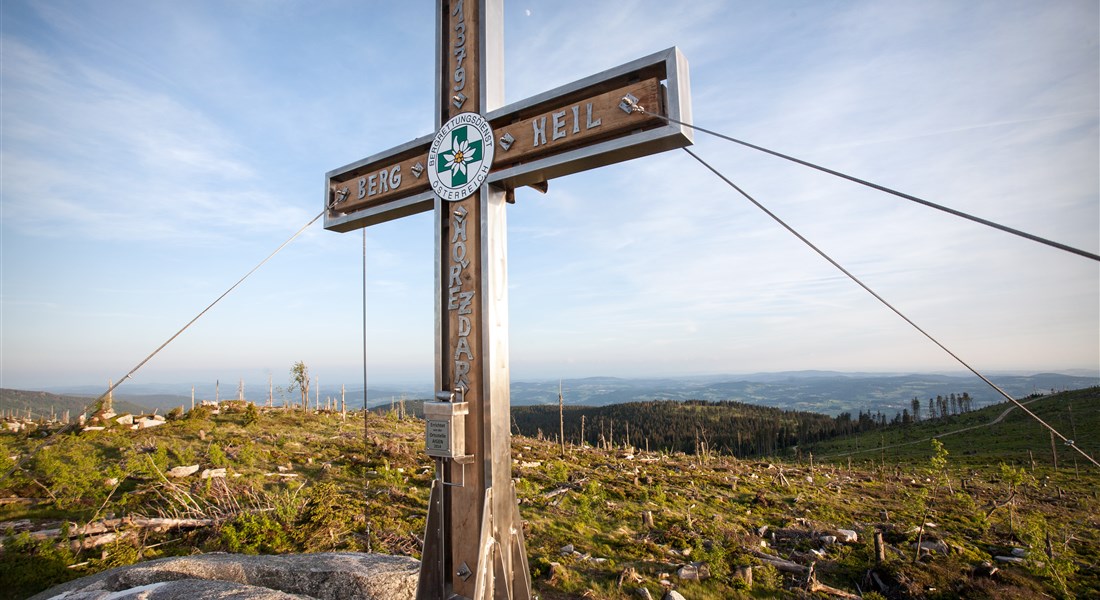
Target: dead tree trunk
pixel 1054 451
pixel 561 420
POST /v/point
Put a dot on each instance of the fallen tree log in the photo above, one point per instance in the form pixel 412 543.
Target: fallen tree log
pixel 96 541
pixel 569 487
pixel 780 564
pixel 113 525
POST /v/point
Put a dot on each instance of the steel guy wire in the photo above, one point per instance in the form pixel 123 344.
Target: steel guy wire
pixel 129 374
pixel 859 282
pixel 366 436
pixel 958 213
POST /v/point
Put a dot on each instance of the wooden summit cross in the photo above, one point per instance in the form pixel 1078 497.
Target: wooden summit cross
pixel 466 173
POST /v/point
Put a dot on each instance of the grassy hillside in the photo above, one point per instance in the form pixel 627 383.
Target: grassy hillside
pixel 298 482
pixel 998 433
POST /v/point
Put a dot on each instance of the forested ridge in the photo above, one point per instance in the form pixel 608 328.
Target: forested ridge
pixel 725 426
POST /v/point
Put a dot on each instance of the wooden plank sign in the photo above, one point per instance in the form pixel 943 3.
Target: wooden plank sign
pixel 573 128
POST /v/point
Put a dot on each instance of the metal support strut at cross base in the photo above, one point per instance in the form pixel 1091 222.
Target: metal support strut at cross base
pixel 466 173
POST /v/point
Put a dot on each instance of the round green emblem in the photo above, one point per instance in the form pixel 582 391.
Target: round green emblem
pixel 460 156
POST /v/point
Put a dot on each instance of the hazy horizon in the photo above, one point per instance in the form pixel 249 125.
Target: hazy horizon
pixel 228 387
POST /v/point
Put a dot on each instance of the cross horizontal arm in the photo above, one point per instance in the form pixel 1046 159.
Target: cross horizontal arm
pixel 570 129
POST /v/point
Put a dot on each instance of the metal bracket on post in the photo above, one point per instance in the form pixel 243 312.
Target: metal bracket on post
pixel 432 582
pixel 502 562
pixel 445 421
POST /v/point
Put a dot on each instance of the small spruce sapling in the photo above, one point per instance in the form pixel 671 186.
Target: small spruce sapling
pixel 937 471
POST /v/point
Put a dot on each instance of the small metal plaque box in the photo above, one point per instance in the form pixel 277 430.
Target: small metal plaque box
pixel 446 428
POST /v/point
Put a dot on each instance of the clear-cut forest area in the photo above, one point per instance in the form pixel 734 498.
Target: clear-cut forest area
pixel 908 510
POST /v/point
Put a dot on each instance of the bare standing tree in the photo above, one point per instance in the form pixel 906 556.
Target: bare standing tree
pixel 299 380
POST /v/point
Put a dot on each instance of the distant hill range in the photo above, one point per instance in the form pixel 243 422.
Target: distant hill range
pixel 827 392
pixel 45 404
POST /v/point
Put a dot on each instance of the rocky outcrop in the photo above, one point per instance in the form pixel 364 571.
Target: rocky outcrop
pixel 325 576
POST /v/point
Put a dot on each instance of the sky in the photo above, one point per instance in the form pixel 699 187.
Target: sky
pixel 151 153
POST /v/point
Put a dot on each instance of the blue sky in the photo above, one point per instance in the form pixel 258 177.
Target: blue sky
pixel 153 152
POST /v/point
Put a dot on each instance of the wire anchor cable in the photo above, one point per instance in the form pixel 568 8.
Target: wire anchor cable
pixel 958 213
pixel 131 372
pixel 866 288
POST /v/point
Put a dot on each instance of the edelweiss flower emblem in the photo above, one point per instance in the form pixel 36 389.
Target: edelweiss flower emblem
pixel 460 156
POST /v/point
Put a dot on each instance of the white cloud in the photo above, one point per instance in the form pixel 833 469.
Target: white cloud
pixel 86 151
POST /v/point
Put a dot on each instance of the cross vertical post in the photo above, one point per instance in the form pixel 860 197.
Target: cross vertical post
pixel 475 548
pixel 466 173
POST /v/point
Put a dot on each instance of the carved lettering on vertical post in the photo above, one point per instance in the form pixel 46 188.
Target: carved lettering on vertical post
pixel 458 40
pixel 460 300
pixel 462 352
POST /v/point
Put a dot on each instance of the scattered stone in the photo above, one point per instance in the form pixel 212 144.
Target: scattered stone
pixel 567 550
pixel 644 593
pixel 182 471
pixel 1019 552
pixel 688 573
pixel 1015 560
pixel 212 473
pixel 126 419
pixel 673 595
pixel 110 482
pixel 828 539
pixel 936 546
pixel 847 536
